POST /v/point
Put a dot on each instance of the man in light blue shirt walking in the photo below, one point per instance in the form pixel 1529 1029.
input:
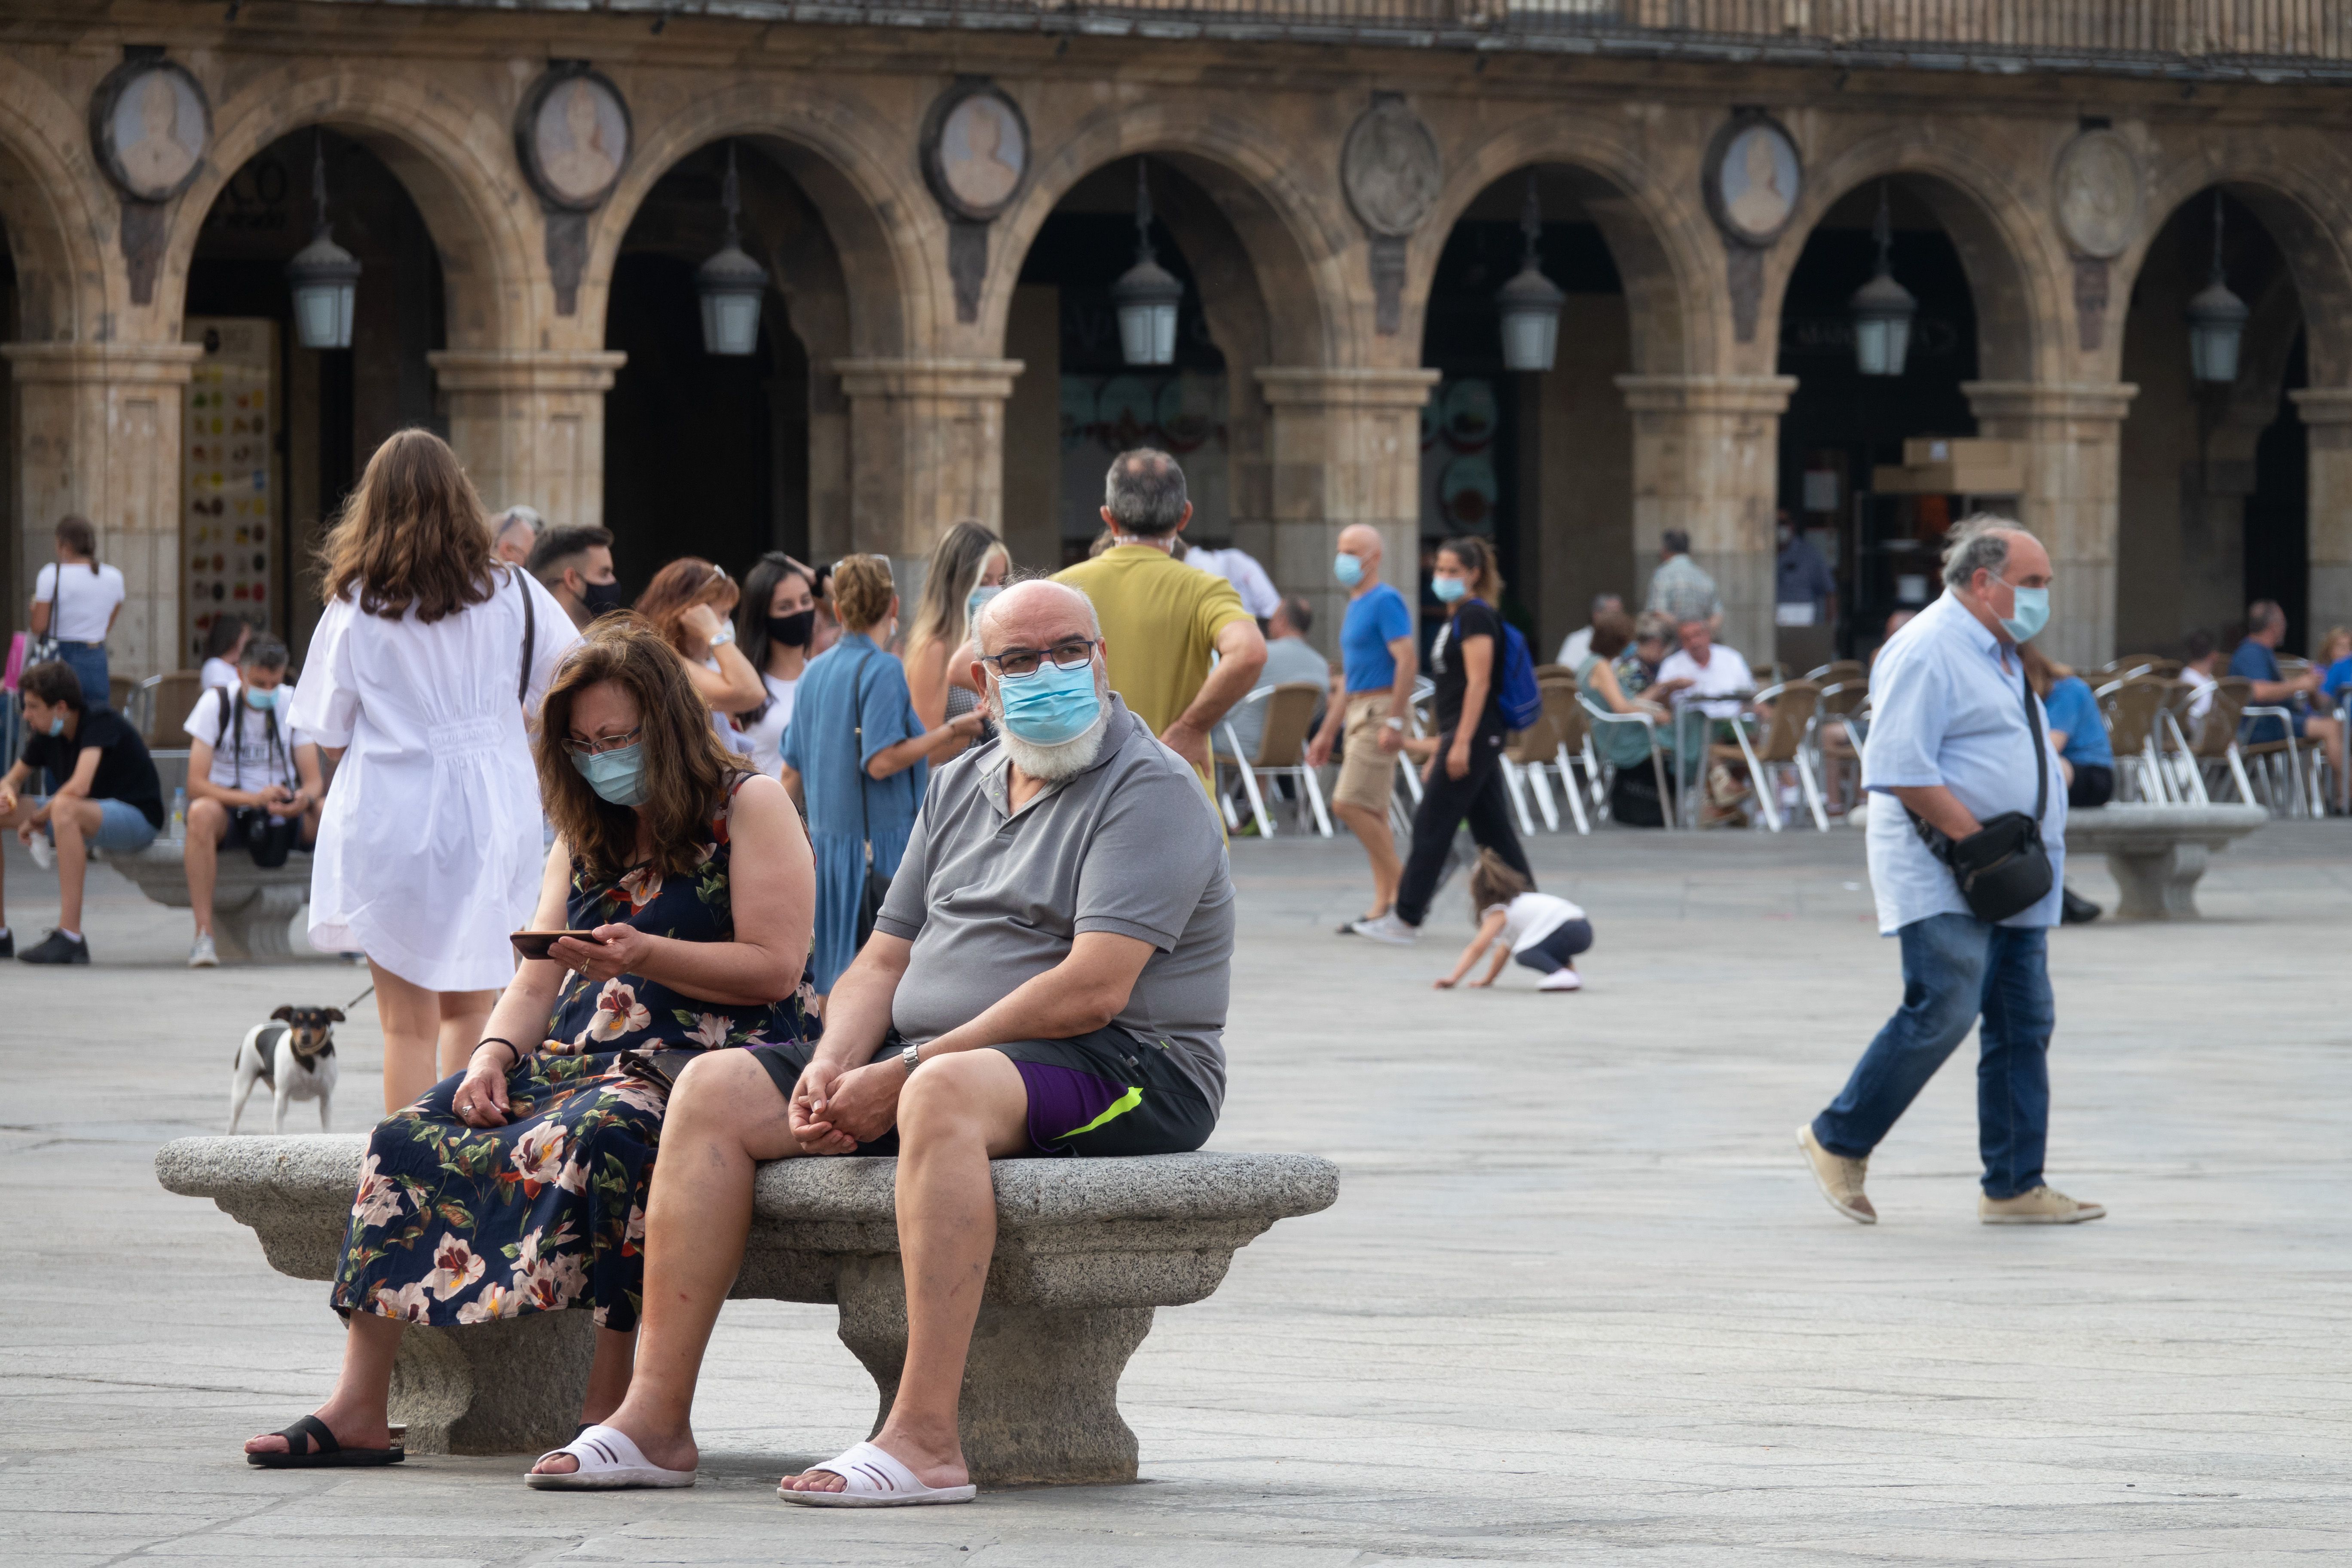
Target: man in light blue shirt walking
pixel 1950 745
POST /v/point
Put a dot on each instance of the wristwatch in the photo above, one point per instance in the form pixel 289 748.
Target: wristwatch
pixel 911 1055
pixel 724 636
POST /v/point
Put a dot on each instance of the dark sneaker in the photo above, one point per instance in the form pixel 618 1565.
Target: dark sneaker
pixel 7 944
pixel 2074 909
pixel 56 948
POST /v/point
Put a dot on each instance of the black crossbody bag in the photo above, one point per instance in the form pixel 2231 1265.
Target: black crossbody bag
pixel 2003 867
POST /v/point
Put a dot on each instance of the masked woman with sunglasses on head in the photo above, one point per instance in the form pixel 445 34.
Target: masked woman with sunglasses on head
pixel 423 673
pixel 858 757
pixel 773 626
pixel 520 1186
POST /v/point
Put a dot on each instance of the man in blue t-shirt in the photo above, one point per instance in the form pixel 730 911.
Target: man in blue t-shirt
pixel 2257 660
pixel 1378 664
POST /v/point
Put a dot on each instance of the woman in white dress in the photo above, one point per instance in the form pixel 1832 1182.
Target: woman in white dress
pixel 428 662
pixel 773 626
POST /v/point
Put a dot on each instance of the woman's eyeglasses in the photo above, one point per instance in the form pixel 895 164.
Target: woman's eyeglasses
pixel 603 744
pixel 1015 662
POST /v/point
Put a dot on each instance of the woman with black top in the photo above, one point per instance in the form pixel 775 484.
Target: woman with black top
pixel 1462 774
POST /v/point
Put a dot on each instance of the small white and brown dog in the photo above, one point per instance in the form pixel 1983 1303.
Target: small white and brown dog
pixel 294 1054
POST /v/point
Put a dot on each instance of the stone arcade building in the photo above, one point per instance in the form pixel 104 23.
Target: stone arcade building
pixel 940 194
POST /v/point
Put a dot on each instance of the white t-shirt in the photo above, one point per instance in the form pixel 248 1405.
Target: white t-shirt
pixel 1532 917
pixel 217 672
pixel 1727 674
pixel 767 736
pixel 1242 570
pixel 2203 698
pixel 1578 644
pixel 89 600
pixel 245 756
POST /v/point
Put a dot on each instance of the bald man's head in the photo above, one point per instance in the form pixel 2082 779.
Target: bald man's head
pixel 1036 613
pixel 1363 543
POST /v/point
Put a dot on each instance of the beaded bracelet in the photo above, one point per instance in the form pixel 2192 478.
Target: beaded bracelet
pixel 510 1044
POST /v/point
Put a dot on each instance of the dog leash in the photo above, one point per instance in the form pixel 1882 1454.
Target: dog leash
pixel 360 998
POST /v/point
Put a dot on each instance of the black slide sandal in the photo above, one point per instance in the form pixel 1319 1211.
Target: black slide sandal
pixel 320 1451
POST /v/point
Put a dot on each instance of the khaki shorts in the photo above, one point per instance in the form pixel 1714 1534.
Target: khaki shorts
pixel 1366 774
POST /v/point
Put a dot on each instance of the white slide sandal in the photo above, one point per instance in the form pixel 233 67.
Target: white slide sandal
pixel 876 1481
pixel 608 1461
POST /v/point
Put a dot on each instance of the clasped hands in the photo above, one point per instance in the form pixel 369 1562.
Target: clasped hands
pixel 835 1109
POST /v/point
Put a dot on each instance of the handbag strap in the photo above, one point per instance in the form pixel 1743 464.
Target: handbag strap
pixel 858 719
pixel 530 641
pixel 2040 758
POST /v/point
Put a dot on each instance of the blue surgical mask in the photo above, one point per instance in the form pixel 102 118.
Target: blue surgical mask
pixel 975 599
pixel 57 726
pixel 617 777
pixel 1050 705
pixel 1349 570
pixel 260 701
pixel 1448 589
pixel 2032 612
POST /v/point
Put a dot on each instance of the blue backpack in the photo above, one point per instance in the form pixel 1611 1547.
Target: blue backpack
pixel 1520 697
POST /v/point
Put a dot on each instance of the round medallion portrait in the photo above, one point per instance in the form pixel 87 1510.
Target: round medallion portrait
pixel 1754 181
pixel 152 127
pixel 574 138
pixel 978 154
pixel 2098 194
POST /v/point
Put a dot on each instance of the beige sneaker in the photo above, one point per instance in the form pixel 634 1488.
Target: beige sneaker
pixel 2043 1205
pixel 1839 1178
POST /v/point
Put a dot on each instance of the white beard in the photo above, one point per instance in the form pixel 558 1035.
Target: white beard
pixel 1063 758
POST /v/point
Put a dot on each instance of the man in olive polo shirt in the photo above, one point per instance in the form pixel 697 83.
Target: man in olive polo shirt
pixel 1048 977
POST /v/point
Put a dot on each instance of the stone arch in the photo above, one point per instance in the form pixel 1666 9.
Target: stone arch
pixel 1675 306
pixel 2000 234
pixel 1255 201
pixel 456 162
pixel 46 178
pixel 841 163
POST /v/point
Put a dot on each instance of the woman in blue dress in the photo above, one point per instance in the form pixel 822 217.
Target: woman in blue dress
pixel 519 1186
pixel 858 757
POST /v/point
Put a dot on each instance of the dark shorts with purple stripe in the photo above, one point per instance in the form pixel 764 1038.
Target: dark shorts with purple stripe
pixel 1097 1095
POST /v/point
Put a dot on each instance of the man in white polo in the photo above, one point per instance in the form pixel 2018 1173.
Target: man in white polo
pixel 1950 745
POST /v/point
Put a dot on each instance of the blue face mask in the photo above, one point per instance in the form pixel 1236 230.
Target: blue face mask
pixel 57 726
pixel 1349 570
pixel 617 777
pixel 2032 612
pixel 972 602
pixel 1052 705
pixel 1448 589
pixel 260 701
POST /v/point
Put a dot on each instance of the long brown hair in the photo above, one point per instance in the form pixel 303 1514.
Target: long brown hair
pixel 957 563
pixel 411 534
pixel 1494 881
pixel 687 771
pixel 679 586
pixel 76 533
pixel 1477 559
pixel 2042 671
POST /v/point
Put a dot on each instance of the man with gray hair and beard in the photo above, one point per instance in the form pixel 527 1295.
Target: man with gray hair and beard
pixel 1048 977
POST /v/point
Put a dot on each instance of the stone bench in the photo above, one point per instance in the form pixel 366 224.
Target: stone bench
pixel 1085 1250
pixel 252 909
pixel 2157 853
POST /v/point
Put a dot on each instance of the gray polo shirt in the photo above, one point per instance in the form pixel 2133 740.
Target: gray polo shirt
pixel 990 899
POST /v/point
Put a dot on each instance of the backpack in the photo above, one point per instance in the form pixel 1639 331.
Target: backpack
pixel 1518 696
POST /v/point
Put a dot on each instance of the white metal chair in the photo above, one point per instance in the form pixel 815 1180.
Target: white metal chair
pixel 1595 714
pixel 1289 710
pixel 1794 704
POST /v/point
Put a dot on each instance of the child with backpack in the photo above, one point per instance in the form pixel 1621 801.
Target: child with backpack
pixel 1485 688
pixel 1543 932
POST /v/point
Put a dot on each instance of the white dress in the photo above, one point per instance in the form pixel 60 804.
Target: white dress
pixel 766 735
pixel 430 849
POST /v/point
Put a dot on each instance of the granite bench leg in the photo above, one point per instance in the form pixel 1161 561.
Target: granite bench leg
pixel 253 924
pixel 1040 1387
pixel 511 1387
pixel 2158 884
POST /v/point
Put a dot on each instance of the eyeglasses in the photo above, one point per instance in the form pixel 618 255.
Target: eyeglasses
pixel 603 744
pixel 1014 663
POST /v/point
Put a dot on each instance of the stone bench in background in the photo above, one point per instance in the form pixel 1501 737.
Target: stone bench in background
pixel 1086 1250
pixel 2157 853
pixel 252 909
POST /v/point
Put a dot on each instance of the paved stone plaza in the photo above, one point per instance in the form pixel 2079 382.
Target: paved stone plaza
pixel 1578 1301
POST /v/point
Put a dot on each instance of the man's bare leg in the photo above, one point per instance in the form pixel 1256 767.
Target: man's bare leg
pixel 955 1114
pixel 724 1117
pixel 76 822
pixel 1371 830
pixel 208 825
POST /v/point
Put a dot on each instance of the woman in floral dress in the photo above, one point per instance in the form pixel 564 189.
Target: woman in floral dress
pixel 519 1186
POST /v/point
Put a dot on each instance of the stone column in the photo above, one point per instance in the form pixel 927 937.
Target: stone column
pixel 927 448
pixel 528 424
pixel 2327 413
pixel 1343 447
pixel 2071 434
pixel 1706 460
pixel 99 431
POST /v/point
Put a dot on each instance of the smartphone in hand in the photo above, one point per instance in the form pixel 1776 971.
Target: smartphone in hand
pixel 537 944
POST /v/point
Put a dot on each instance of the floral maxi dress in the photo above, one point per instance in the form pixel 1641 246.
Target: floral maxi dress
pixel 456 1224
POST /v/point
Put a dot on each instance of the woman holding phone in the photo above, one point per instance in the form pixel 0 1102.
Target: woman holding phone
pixel 519 1186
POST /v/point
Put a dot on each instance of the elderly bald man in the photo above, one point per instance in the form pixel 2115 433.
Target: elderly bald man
pixel 1379 661
pixel 1048 977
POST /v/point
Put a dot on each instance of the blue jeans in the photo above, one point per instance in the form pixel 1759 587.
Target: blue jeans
pixel 1957 970
pixel 87 660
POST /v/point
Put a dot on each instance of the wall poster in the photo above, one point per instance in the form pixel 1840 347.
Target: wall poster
pixel 229 489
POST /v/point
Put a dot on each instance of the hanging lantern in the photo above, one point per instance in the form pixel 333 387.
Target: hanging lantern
pixel 324 275
pixel 2217 321
pixel 1530 303
pixel 1147 296
pixel 730 284
pixel 1883 308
